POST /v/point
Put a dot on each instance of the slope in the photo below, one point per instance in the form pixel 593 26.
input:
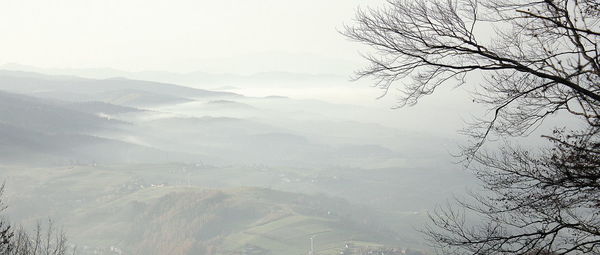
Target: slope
pixel 176 220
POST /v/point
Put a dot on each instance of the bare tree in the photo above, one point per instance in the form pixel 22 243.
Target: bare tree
pixel 6 231
pixel 538 58
pixel 48 241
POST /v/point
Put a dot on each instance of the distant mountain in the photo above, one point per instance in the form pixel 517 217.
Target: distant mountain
pixel 79 89
pixel 139 98
pixel 21 145
pixel 97 107
pixel 188 78
pixel 248 141
pixel 49 116
pixel 211 126
pixel 35 130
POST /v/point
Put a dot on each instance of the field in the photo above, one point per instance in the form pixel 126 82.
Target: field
pixel 106 206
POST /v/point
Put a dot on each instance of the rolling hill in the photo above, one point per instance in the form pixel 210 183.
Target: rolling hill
pixel 49 116
pixel 175 220
pixel 108 90
pixel 35 130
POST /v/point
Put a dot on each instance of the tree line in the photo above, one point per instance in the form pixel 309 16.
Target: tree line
pixel 45 239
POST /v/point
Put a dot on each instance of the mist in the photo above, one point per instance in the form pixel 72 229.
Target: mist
pixel 215 127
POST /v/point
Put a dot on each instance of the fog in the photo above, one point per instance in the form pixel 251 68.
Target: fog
pixel 105 156
pixel 215 127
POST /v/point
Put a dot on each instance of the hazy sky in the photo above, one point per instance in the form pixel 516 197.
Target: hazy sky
pixel 180 35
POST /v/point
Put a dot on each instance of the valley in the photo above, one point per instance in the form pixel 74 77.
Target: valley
pixel 134 167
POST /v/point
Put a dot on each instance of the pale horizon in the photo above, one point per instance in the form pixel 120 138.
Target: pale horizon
pixel 181 36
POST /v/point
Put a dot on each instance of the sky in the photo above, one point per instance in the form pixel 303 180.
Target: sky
pixel 225 36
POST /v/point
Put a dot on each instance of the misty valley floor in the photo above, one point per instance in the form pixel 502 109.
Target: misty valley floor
pixel 138 167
